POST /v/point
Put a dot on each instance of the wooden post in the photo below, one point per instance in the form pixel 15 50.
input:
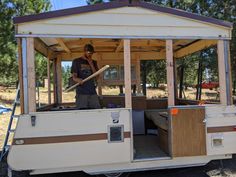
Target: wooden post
pixel 49 80
pixel 138 79
pixel 59 80
pixel 127 72
pixel 224 72
pixel 170 72
pixel 30 57
pixel 55 81
pixel 100 76
pixel 20 68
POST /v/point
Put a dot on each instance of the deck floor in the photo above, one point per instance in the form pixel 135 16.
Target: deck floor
pixel 146 146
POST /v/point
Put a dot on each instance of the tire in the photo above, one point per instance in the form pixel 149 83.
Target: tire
pixel 3 169
pixel 19 173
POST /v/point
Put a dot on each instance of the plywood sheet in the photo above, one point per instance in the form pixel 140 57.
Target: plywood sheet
pixel 188 132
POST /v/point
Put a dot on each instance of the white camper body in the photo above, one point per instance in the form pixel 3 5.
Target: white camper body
pixel 102 141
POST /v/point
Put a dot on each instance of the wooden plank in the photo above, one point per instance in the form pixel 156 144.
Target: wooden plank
pixel 40 47
pixel 222 74
pixel 127 73
pixel 114 56
pixel 138 75
pixel 170 72
pixel 188 132
pixel 31 75
pixel 100 76
pixel 55 97
pixel 59 80
pixel 195 47
pixel 49 80
pixel 20 69
pixel 63 45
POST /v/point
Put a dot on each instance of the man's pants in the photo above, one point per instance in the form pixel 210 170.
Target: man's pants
pixel 87 102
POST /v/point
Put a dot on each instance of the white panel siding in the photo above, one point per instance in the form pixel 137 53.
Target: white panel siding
pixel 125 22
pixel 220 116
pixel 64 123
pixel 62 155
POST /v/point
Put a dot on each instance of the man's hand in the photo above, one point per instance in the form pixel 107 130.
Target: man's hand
pixel 80 81
pixel 76 79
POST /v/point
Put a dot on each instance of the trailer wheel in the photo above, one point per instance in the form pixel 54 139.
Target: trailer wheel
pixel 114 175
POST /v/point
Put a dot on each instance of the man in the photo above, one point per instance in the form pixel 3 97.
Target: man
pixel 83 67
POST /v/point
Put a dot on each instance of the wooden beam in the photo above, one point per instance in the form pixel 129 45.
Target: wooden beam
pixel 127 72
pixel 59 80
pixel 119 47
pixel 195 47
pixel 170 72
pixel 114 56
pixel 63 45
pixel 31 74
pixel 42 48
pixel 20 69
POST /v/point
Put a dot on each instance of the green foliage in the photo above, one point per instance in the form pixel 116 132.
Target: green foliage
pixel 66 74
pixel 8 10
pixel 40 67
pixel 156 72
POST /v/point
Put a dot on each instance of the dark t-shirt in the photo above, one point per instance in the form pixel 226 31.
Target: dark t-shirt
pixel 83 70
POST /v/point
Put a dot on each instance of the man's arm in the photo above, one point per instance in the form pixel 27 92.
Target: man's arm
pixel 76 79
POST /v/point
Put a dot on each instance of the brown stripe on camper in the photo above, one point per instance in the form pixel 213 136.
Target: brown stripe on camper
pixel 64 139
pixel 221 129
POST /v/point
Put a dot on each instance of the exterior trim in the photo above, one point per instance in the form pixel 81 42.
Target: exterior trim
pixel 221 129
pixel 117 4
pixel 65 139
pixel 120 37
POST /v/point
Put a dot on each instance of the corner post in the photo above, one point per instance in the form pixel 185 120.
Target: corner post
pixel 170 72
pixel 225 81
pixel 127 72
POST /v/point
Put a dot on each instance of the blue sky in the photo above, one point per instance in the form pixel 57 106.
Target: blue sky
pixel 64 4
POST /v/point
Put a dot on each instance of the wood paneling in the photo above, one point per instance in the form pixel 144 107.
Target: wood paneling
pixel 157 104
pixel 188 132
pixel 138 102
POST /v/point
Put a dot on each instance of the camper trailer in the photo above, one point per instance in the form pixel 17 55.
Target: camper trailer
pixel 116 139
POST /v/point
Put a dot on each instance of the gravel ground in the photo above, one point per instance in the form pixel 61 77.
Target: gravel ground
pixel 218 168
